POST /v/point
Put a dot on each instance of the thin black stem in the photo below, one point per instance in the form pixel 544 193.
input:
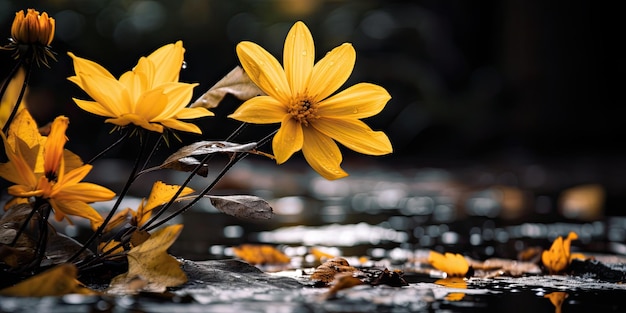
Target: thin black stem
pixel 236 132
pixel 44 212
pixel 23 227
pixel 236 158
pixel 14 70
pixel 27 66
pixel 154 149
pixel 131 179
pixel 115 144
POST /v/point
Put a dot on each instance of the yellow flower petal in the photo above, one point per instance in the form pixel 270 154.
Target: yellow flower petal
pixel 169 60
pixel 76 208
pixel 298 57
pixel 189 113
pixel 287 140
pixel 322 154
pixel 84 66
pixel 182 126
pixel 359 101
pixel 109 93
pixel 331 72
pixel 55 144
pixel 260 110
pixel 355 135
pixel 178 96
pixel 264 70
pixel 94 107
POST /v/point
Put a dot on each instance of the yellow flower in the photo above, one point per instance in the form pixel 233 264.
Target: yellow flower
pixel 559 256
pixel 299 97
pixel 34 31
pixel 452 264
pixel 31 28
pixel 51 181
pixel 149 96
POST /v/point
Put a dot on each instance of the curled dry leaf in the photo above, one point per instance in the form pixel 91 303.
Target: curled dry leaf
pixel 236 83
pixel 184 159
pixel 242 206
pixel 57 281
pixel 343 281
pixel 326 272
pixel 558 258
pixel 150 264
pixel 261 254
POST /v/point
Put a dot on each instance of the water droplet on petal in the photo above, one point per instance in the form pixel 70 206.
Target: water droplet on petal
pixel 184 66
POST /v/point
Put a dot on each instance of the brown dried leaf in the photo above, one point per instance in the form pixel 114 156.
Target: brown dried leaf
pixel 236 83
pixel 57 281
pixel 183 159
pixel 151 263
pixel 343 281
pixel 260 254
pixel 327 271
pixel 242 206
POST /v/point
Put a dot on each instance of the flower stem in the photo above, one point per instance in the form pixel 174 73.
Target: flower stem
pixel 131 179
pixel 103 152
pixel 27 66
pixel 236 158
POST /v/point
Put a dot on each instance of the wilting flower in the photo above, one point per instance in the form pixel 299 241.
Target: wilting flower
pixel 32 30
pixel 37 167
pixel 455 265
pixel 299 97
pixel 558 258
pixel 149 96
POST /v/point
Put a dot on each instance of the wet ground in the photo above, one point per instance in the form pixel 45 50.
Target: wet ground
pixel 389 218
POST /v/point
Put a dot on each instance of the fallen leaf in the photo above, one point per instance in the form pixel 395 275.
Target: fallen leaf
pixel 236 83
pixel 321 256
pixel 326 272
pixel 558 257
pixel 57 281
pixel 455 265
pixel 242 206
pixel 151 263
pixel 343 281
pixel 261 254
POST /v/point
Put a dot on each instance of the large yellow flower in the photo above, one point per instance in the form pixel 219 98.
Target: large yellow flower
pixel 299 97
pixel 149 96
pixel 40 167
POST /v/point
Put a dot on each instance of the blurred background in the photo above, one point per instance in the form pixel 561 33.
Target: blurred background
pixel 501 106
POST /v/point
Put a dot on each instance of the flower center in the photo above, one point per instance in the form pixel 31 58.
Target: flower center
pixel 303 111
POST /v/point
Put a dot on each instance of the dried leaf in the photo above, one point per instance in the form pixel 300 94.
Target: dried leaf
pixel 260 254
pixel 151 263
pixel 327 271
pixel 236 83
pixel 183 159
pixel 450 263
pixel 343 281
pixel 242 206
pixel 558 257
pixel 57 281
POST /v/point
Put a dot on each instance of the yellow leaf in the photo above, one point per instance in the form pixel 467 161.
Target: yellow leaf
pixel 452 264
pixel 151 263
pixel 558 257
pixel 57 281
pixel 161 193
pixel 260 254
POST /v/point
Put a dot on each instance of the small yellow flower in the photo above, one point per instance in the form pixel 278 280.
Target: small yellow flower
pixel 299 96
pixel 32 32
pixel 558 258
pixel 32 28
pixel 455 265
pixel 51 181
pixel 149 96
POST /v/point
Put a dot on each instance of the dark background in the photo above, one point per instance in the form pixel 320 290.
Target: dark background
pixel 501 83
